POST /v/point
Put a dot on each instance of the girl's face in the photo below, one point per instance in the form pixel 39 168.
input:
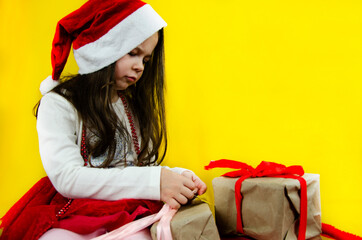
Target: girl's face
pixel 129 68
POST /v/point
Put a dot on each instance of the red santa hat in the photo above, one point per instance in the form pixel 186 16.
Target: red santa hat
pixel 101 32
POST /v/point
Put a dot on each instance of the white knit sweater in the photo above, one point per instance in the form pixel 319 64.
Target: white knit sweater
pixel 59 132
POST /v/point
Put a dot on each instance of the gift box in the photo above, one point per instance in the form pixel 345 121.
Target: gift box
pixel 194 221
pixel 270 207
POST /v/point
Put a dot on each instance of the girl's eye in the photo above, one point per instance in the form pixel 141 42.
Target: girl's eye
pixel 146 60
pixel 132 54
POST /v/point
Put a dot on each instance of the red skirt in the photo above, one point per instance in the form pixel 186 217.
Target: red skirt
pixel 43 208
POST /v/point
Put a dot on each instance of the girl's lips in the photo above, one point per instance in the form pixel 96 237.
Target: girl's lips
pixel 132 79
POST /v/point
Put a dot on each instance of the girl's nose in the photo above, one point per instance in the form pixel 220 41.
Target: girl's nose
pixel 138 65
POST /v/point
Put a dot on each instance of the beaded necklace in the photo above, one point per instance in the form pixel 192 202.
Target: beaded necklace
pixel 131 123
pixel 136 145
pixel 84 152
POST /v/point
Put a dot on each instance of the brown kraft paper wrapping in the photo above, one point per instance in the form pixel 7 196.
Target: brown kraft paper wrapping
pixel 270 207
pixel 193 221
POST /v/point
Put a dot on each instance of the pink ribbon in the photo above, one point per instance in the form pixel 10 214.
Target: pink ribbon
pixel 165 216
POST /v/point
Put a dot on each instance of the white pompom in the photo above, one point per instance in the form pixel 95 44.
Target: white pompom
pixel 47 85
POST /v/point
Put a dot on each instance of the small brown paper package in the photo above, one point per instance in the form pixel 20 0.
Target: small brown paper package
pixel 270 207
pixel 194 221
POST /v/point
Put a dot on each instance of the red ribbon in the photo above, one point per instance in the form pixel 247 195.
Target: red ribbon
pixel 264 169
pixel 333 233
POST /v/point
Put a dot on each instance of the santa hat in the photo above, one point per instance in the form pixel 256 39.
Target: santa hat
pixel 101 31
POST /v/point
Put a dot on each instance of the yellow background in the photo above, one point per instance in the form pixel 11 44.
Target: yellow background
pixel 247 80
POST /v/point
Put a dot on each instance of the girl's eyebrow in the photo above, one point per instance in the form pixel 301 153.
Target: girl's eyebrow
pixel 142 51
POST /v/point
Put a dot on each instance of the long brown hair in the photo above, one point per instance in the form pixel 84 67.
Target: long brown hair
pixel 91 96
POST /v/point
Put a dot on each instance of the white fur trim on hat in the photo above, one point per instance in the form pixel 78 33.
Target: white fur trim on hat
pixel 129 33
pixel 47 85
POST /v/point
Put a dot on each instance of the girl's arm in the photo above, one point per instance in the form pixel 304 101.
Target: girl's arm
pixel 57 131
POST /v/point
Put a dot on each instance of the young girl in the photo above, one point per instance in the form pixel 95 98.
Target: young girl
pixel 101 132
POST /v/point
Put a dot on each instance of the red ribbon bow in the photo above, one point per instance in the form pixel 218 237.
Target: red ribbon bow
pixel 264 169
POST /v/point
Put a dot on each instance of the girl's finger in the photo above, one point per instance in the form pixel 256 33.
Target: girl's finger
pixel 188 193
pixel 202 189
pixel 181 199
pixel 189 183
pixel 173 203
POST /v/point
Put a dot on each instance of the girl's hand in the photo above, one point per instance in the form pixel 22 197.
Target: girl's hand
pixel 176 189
pixel 200 185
